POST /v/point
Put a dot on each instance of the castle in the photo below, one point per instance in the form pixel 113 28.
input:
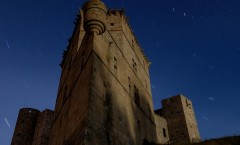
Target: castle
pixel 104 95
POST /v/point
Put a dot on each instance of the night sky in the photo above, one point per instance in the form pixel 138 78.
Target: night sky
pixel 194 47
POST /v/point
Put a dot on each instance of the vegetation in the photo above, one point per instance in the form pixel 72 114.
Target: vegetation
pixel 231 140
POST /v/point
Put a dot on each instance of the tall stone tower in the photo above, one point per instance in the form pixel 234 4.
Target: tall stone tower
pixel 182 125
pixel 104 94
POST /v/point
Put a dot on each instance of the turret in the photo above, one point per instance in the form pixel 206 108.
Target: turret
pixel 95 15
pixel 25 126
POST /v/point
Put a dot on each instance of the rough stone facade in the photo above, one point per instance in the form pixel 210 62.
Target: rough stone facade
pixel 33 127
pixel 104 95
pixel 182 125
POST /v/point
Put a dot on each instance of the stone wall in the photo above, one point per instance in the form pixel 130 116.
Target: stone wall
pixel 161 130
pixel 43 128
pixel 25 126
pixel 182 126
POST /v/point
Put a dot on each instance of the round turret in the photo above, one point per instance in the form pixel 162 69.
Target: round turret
pixel 25 126
pixel 95 15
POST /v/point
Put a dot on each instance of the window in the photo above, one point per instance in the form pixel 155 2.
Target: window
pixel 136 95
pixel 115 65
pixel 134 65
pixel 111 24
pixel 129 84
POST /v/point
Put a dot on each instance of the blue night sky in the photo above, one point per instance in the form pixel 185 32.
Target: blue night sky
pixel 194 47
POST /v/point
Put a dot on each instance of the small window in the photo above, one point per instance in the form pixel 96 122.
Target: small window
pixel 136 95
pixel 115 62
pixel 129 84
pixel 134 65
pixel 115 65
pixel 164 132
pixel 111 24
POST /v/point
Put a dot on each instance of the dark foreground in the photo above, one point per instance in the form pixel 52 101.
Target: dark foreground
pixel 232 140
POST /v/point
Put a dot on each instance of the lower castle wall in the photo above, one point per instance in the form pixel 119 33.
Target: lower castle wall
pixel 114 117
pixel 70 124
pixel 161 129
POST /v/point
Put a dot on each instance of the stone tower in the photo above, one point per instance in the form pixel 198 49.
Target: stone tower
pixel 25 127
pixel 33 127
pixel 104 94
pixel 182 125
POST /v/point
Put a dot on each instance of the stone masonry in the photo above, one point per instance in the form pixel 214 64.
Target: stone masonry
pixel 104 95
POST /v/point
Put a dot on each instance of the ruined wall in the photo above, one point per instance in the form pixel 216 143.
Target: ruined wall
pixel 43 128
pixel 181 121
pixel 25 126
pixel 190 120
pixel 161 129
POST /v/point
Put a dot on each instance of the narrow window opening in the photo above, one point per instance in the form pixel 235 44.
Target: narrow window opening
pixel 132 43
pixel 115 65
pixel 129 84
pixel 134 65
pixel 112 24
pixel 136 95
pixel 164 132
